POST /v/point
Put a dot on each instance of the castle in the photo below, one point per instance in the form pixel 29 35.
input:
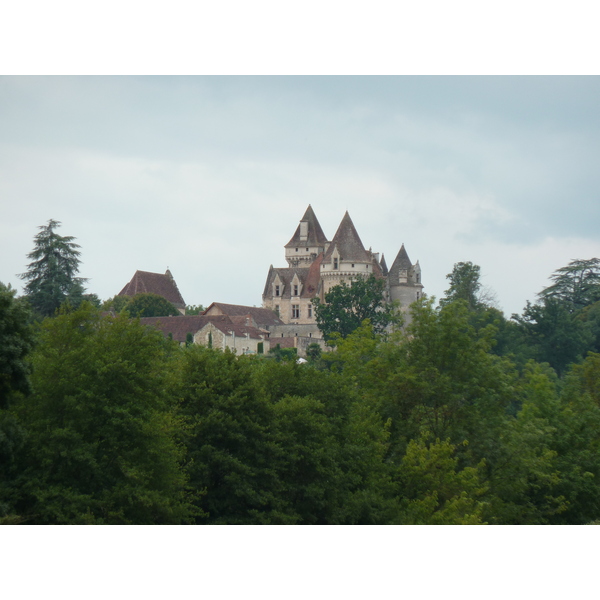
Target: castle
pixel 287 317
pixel 315 265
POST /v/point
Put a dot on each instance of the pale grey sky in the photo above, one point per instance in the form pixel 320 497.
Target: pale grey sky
pixel 210 175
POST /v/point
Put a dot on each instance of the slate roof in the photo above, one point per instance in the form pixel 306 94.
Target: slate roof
pixel 306 276
pixel 179 327
pixel 316 237
pixel 263 317
pixel 144 282
pixel 382 265
pixel 402 262
pixel 348 243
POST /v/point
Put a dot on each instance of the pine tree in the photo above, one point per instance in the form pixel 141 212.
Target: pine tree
pixel 50 276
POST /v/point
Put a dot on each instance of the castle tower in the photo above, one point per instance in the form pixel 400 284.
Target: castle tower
pixel 307 242
pixel 404 280
pixel 346 258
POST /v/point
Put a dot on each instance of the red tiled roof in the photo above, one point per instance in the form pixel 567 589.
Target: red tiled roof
pixel 261 316
pixel 144 282
pixel 179 327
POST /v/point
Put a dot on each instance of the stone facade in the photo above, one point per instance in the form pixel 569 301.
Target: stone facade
pixel 316 264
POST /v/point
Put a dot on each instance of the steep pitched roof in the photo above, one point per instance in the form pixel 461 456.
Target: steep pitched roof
pixel 347 241
pixel 144 282
pixel 286 276
pixel 383 265
pixel 313 278
pixel 316 237
pixel 402 262
pixel 262 316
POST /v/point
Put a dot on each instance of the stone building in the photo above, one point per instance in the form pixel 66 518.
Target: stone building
pixel 316 264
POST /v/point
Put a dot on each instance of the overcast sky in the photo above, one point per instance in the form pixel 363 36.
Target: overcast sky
pixel 209 176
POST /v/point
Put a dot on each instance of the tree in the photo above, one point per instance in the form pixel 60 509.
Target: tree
pixel 577 284
pixel 553 334
pixel 347 306
pixel 194 309
pixel 16 341
pixel 51 276
pixel 464 285
pixel 150 305
pixel 102 444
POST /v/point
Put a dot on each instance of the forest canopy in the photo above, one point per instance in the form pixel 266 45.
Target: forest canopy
pixel 459 417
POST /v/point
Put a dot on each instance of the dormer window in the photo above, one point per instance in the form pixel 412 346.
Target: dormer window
pixel 295 289
pixel 335 263
pixel 277 290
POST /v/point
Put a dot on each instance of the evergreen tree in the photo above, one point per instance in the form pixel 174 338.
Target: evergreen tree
pixel 51 276
pixel 577 285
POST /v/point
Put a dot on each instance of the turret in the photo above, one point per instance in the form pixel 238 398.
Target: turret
pixel 307 242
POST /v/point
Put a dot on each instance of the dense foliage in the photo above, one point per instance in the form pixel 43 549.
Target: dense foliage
pixel 461 417
pixel 346 306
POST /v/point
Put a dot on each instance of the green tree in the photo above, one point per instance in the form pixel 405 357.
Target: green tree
pixel 102 443
pixel 465 285
pixel 577 285
pixel 150 305
pixel 434 490
pixel 348 305
pixel 16 341
pixel 194 309
pixel 51 276
pixel 554 334
pixel 116 303
pixel 231 450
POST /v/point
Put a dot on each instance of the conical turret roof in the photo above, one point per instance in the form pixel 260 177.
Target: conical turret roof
pixel 347 241
pixel 402 262
pixel 383 265
pixel 316 237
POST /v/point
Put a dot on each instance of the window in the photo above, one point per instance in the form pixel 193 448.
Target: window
pixel 307 249
pixel 335 263
pixel 310 311
pixel 295 289
pixel 277 290
pixel 296 249
pixel 277 309
pixel 295 311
